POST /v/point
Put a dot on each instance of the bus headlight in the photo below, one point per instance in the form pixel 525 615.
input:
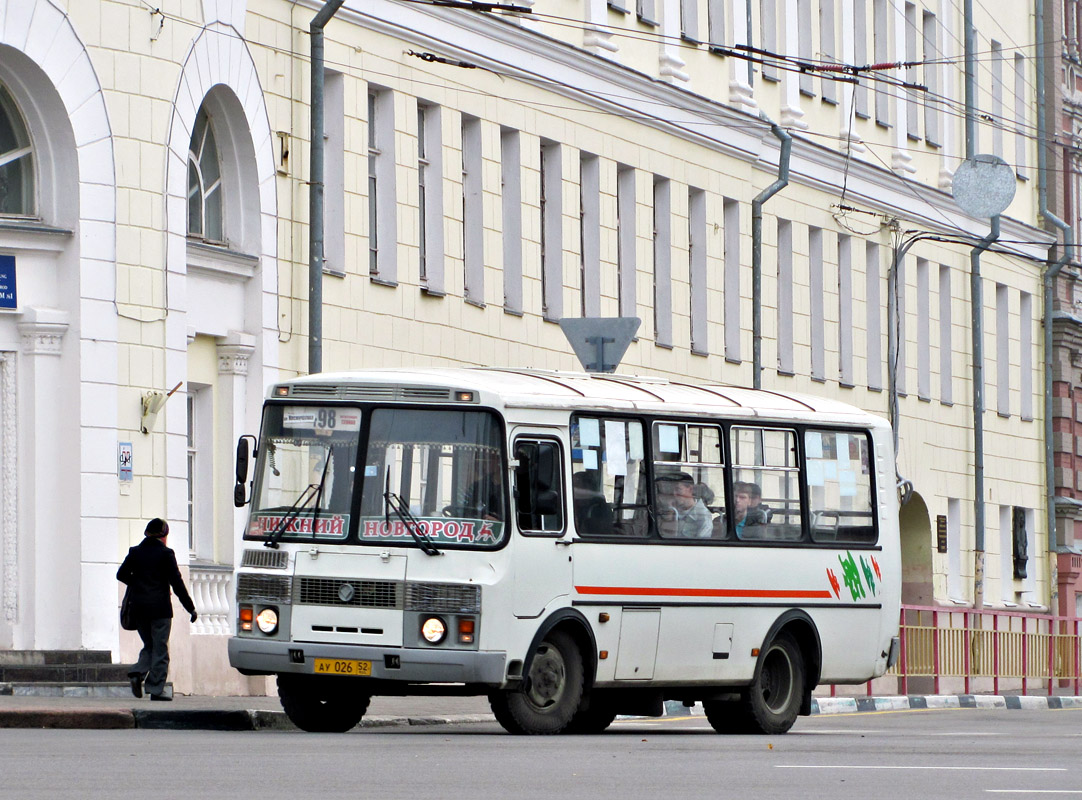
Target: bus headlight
pixel 267 620
pixel 434 630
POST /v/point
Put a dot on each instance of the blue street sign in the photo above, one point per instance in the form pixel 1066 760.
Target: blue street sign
pixel 9 299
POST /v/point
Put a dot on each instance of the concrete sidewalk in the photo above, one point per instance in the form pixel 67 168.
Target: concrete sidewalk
pixel 265 713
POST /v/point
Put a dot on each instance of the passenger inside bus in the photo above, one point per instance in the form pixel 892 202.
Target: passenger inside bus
pixel 593 513
pixel 484 497
pixel 749 509
pixel 681 512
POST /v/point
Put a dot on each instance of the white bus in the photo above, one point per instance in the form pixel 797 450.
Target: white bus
pixel 574 546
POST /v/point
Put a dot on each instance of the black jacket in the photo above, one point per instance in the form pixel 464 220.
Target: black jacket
pixel 149 570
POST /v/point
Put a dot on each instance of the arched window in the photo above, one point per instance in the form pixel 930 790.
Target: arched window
pixel 204 182
pixel 16 160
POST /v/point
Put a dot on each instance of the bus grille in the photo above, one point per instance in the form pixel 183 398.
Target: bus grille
pixel 267 588
pixel 346 592
pixel 265 559
pixel 446 598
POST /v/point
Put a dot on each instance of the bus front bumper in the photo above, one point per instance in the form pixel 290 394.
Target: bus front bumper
pixel 401 664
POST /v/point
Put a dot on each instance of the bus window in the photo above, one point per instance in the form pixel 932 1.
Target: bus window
pixel 840 487
pixel 766 484
pixel 539 486
pixel 609 477
pixel 689 478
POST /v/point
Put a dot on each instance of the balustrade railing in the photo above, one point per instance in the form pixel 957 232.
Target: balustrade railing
pixel 212 592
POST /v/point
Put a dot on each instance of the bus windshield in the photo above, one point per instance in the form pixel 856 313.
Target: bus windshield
pixel 305 485
pixel 445 466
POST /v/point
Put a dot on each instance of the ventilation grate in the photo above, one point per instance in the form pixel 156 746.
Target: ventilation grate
pixel 265 559
pixel 346 592
pixel 446 598
pixel 266 588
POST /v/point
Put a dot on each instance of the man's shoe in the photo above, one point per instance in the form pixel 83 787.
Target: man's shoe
pixel 136 684
pixel 164 697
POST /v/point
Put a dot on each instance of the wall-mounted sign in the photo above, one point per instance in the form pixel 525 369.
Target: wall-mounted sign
pixel 9 298
pixel 124 461
pixel 941 533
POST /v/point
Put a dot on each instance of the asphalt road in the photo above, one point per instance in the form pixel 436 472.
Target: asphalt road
pixel 955 754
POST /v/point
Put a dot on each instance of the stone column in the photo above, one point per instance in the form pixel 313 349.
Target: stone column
pixel 50 572
pixel 234 353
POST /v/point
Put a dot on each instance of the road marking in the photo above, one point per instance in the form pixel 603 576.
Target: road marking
pixel 1034 791
pixel 948 769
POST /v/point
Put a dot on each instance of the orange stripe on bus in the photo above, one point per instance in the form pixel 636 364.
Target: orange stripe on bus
pixel 807 594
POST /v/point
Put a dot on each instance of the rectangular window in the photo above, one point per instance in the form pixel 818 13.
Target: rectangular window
pixel 946 337
pixel 538 487
pixel 511 206
pixel 924 330
pixel 731 217
pixel 1021 115
pixel 1003 351
pixel 1006 554
pixel 874 310
pixel 785 297
pixel 840 492
pixel 768 36
pixel 845 310
pixel 662 262
pixel 828 87
pixel 626 262
pixel 817 303
pixel 805 46
pixel 997 99
pixel 1025 349
pixel 382 221
pixel 473 222
pixel 646 11
pixel 697 267
pixel 860 56
pixel 334 171
pixel 193 457
pixel 590 235
pixel 552 248
pixel 715 23
pixel 932 71
pixel 881 53
pixel 689 20
pixel 608 458
pixel 430 170
pixel 689 481
pixel 766 484
pixel 912 96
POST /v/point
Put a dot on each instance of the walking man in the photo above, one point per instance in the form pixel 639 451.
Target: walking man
pixel 150 569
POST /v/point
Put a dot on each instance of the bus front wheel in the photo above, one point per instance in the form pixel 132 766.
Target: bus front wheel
pixel 551 694
pixel 319 706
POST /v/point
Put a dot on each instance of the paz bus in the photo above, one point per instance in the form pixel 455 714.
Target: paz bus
pixel 575 546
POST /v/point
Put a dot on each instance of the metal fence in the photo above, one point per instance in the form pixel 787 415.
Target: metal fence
pixel 989 651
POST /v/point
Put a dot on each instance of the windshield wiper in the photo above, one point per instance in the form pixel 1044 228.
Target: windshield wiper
pixel 413 525
pixel 314 490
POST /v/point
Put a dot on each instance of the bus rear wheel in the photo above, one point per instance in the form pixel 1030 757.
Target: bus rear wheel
pixel 772 703
pixel 320 706
pixel 551 694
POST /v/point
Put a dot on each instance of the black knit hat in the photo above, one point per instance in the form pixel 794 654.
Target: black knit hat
pixel 157 528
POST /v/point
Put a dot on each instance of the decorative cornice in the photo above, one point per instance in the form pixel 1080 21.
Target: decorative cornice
pixel 233 357
pixel 42 338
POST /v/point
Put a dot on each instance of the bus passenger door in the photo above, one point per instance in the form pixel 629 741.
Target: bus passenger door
pixel 540 560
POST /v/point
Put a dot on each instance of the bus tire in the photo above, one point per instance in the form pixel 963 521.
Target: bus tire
pixel 551 694
pixel 772 702
pixel 319 707
pixel 726 716
pixel 595 714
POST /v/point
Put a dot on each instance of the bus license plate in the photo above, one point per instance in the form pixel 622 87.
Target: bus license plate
pixel 342 666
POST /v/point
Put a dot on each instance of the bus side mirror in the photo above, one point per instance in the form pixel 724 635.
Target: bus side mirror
pixel 239 494
pixel 546 502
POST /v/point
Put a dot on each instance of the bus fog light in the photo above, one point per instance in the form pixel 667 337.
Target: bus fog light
pixel 434 630
pixel 267 620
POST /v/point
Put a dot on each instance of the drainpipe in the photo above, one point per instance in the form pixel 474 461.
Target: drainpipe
pixel 1048 283
pixel 757 250
pixel 977 325
pixel 315 192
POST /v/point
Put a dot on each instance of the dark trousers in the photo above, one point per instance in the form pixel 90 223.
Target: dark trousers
pixel 153 663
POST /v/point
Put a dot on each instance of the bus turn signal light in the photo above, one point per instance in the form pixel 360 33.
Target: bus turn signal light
pixel 465 630
pixel 246 616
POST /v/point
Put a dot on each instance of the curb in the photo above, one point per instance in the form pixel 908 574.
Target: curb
pixel 852 705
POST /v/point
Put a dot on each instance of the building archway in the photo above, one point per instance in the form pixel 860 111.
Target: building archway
pixel 915 528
